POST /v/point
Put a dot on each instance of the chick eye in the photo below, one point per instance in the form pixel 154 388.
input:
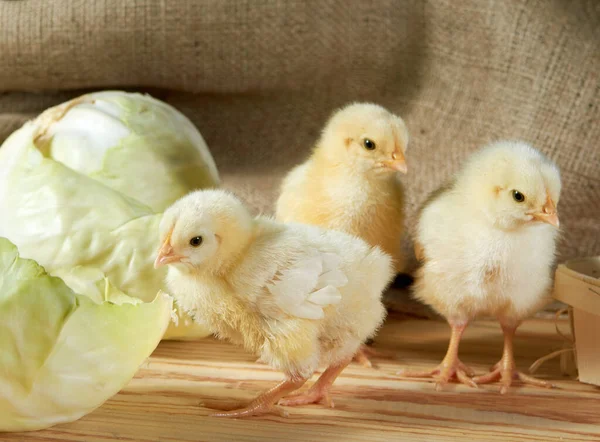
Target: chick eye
pixel 369 144
pixel 518 196
pixel 196 241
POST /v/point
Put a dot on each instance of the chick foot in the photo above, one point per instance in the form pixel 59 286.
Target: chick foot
pixel 450 368
pixel 253 409
pixel 364 352
pixel 313 396
pixel 507 375
pixel 319 392
pixel 505 370
pixel 443 373
pixel 266 402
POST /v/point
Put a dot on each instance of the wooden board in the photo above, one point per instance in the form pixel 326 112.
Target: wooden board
pixel 163 402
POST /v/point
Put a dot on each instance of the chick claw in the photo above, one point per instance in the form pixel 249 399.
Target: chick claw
pixel 312 396
pixel 443 373
pixel 266 402
pixel 506 376
pixel 253 409
pixel 319 392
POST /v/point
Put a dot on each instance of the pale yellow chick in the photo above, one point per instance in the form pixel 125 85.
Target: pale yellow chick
pixel 350 182
pixel 487 245
pixel 296 295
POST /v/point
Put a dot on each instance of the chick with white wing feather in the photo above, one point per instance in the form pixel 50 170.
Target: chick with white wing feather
pixel 297 295
pixel 486 242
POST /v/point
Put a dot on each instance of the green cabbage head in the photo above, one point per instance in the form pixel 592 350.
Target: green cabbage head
pixel 62 354
pixel 84 185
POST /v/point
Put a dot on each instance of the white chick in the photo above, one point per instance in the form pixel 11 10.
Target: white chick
pixel 297 295
pixel 487 245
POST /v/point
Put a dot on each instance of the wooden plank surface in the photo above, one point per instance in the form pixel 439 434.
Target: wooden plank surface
pixel 164 401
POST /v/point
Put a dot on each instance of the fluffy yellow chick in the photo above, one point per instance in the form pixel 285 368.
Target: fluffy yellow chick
pixel 297 295
pixel 487 244
pixel 350 182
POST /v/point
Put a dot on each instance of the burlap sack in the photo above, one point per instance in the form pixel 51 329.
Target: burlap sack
pixel 260 77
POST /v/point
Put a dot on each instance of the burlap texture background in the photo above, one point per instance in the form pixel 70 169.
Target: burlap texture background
pixel 260 77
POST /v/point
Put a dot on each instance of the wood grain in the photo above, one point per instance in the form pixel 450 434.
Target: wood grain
pixel 164 401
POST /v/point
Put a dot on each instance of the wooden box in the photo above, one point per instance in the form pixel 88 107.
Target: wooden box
pixel 577 284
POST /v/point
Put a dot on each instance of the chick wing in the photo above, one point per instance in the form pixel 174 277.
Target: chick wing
pixel 309 284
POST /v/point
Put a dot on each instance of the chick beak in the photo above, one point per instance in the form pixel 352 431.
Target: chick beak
pixel 166 254
pixel 548 213
pixel 398 162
